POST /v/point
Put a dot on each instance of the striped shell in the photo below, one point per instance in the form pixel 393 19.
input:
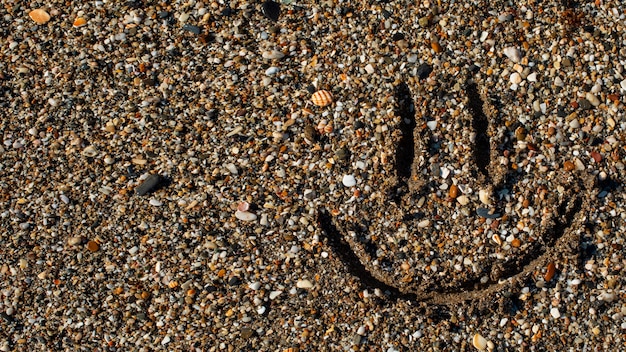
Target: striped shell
pixel 322 98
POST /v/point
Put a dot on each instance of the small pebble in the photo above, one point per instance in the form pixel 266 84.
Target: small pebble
pixel 148 185
pixel 305 284
pixel 513 54
pixel 555 313
pixel 155 202
pixel 348 181
pixel 245 215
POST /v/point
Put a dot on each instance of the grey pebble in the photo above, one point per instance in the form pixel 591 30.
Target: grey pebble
pixel 148 185
pixel 484 212
pixel 193 29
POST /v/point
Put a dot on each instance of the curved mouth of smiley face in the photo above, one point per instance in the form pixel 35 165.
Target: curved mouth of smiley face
pixel 460 221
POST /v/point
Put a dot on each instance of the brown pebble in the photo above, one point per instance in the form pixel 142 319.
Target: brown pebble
pixel 436 47
pixel 93 246
pixel 516 243
pixel 550 271
pixel 453 192
pixel 568 166
pixel 597 157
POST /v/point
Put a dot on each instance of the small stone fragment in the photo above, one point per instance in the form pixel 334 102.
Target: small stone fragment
pixel 568 166
pixel 39 15
pixel 149 184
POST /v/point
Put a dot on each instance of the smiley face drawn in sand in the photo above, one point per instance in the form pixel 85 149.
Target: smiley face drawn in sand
pixel 464 216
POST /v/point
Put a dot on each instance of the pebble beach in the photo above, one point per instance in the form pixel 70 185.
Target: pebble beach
pixel 336 175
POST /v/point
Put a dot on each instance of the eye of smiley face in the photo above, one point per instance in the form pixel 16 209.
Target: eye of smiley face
pixel 468 211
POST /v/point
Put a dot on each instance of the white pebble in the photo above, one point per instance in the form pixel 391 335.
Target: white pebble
pixel 275 294
pixel 245 215
pixel 432 125
pixel 254 285
pixel 513 54
pixel 555 313
pixel 165 340
pixel 623 84
pixel 133 250
pixel 558 82
pixel 532 77
pixel 423 223
pixel 369 69
pixel 348 180
pixel 271 71
pixel 306 284
pixel 592 99
pixel 232 168
pixel 156 202
pixel 515 78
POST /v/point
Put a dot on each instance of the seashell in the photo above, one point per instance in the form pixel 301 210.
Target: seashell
pixel 243 206
pixel 39 15
pixel 479 342
pixel 484 196
pixel 79 22
pixel 322 98
pixel 90 151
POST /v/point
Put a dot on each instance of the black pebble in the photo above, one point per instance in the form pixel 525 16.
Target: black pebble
pixel 148 185
pixel 424 70
pixel 271 10
pixel 585 104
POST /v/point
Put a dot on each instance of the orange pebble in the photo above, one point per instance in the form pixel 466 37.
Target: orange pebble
pixel 79 22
